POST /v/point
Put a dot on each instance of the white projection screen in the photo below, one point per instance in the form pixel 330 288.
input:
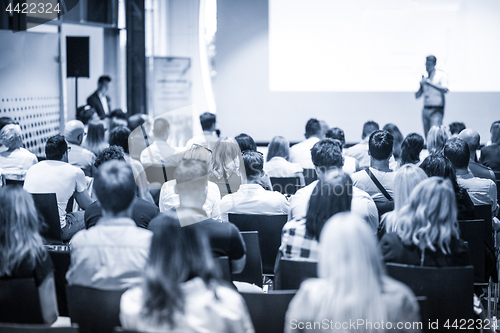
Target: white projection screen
pixel 380 45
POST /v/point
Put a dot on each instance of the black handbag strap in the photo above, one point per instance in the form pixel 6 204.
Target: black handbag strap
pixel 227 185
pixel 377 183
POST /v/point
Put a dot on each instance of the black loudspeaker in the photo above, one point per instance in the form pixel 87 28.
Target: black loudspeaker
pixel 77 56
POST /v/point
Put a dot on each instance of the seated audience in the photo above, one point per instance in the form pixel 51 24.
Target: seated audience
pixel 301 152
pixel 405 180
pixel 56 175
pixel 490 155
pixel 456 128
pixel 227 166
pixel 327 155
pixel 473 141
pixel 350 164
pixel 277 164
pixel 436 165
pixel 360 150
pixel 427 233
pixel 300 237
pixel 117 118
pixel 142 211
pixel 160 153
pixel 74 131
pixel 22 251
pixel 436 139
pixel 481 191
pixel 251 197
pixel 208 138
pixel 411 147
pixel 170 199
pixel 395 161
pixel 182 290
pixel 352 284
pixel 225 239
pixel 113 253
pixel 245 142
pixel 380 151
pixel 85 114
pixel 95 141
pixel 15 160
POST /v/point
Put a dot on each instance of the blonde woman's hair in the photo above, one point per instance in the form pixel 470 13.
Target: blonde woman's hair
pixel 429 220
pixel 351 268
pixel 11 136
pixel 225 151
pixel 436 138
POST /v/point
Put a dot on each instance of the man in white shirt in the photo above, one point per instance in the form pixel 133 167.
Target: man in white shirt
pixel 160 153
pixel 301 152
pixel 473 141
pixel 432 87
pixel 78 156
pixel 56 175
pixel 252 198
pixel 360 150
pixel 209 137
pixel 327 158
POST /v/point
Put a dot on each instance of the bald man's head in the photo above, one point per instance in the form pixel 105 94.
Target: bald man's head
pixel 73 132
pixel 472 138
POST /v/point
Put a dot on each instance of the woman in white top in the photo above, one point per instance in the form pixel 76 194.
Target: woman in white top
pixel 15 160
pixel 277 165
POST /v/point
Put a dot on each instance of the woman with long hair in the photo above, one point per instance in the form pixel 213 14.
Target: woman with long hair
pixel 277 161
pixel 427 232
pixel 436 139
pixel 398 139
pixel 411 147
pixel 95 141
pixel 22 252
pixel 227 166
pixel 352 284
pixel 182 290
pixel 490 155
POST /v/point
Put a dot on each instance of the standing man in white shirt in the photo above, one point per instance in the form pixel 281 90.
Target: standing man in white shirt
pixel 433 87
pixel 301 152
pixel 99 100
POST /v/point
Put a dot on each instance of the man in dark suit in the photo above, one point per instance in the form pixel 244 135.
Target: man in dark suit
pixel 99 100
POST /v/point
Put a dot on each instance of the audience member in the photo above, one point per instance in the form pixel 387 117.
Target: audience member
pixel 301 152
pixel 456 128
pixel 56 175
pixel 113 253
pixel 160 153
pixel 360 150
pixel 378 179
pixel 427 232
pixel 6 121
pixel 15 160
pixel 490 155
pixel 482 191
pixel 74 131
pixel 352 283
pixel 411 147
pixel 95 140
pixel 138 125
pixel 182 290
pixel 324 128
pixel 277 161
pixel 227 166
pixel 117 118
pixel 208 138
pixel 245 142
pixel 395 161
pixel 327 155
pixel 436 165
pixel 473 141
pixel 22 251
pixel 350 163
pixel 300 237
pixel 436 139
pixel 142 211
pixel 251 197
pixel 85 114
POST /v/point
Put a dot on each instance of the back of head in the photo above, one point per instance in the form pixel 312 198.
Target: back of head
pixel 161 128
pixel 95 132
pixel 398 139
pixel 279 146
pixel 411 147
pixel 380 145
pixel 5 121
pixel 135 121
pixel 456 128
pixel 313 128
pixel 368 128
pixel 332 195
pixel 254 164
pixel 119 137
pixel 85 114
pixel 495 132
pixel 108 154
pixel 430 219
pixel 118 113
pixel 73 131
pixel 327 154
pixel 114 186
pixel 436 138
pixel 192 177
pixel 207 121
pixel 11 136
pixel 436 165
pixel 200 153
pixel 472 138
pixel 245 142
pixel 405 180
pixel 457 151
pixel 55 148
pixel 337 134
pixel 226 151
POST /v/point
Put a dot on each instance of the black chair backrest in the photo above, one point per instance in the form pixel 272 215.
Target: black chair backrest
pixel 293 273
pixel 269 228
pixel 61 259
pixel 19 301
pixel 225 268
pixel 286 185
pixel 472 231
pixel 268 310
pixel 26 328
pixel 94 310
pixel 159 174
pixel 309 175
pixel 46 204
pixel 14 182
pixel 483 212
pixel 252 273
pixel 448 290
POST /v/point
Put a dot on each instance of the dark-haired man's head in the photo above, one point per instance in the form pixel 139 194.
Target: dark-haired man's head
pixel 456 127
pixel 313 128
pixel 115 188
pixel 192 183
pixel 245 142
pixel 473 140
pixel 430 63
pixel 119 137
pixel 103 84
pixel 326 154
pixel 495 132
pixel 411 147
pixel 337 134
pixel 108 154
pixel 254 165
pixel 56 149
pixel 380 145
pixel 136 120
pixel 368 128
pixel 457 151
pixel 5 121
pixel 207 121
